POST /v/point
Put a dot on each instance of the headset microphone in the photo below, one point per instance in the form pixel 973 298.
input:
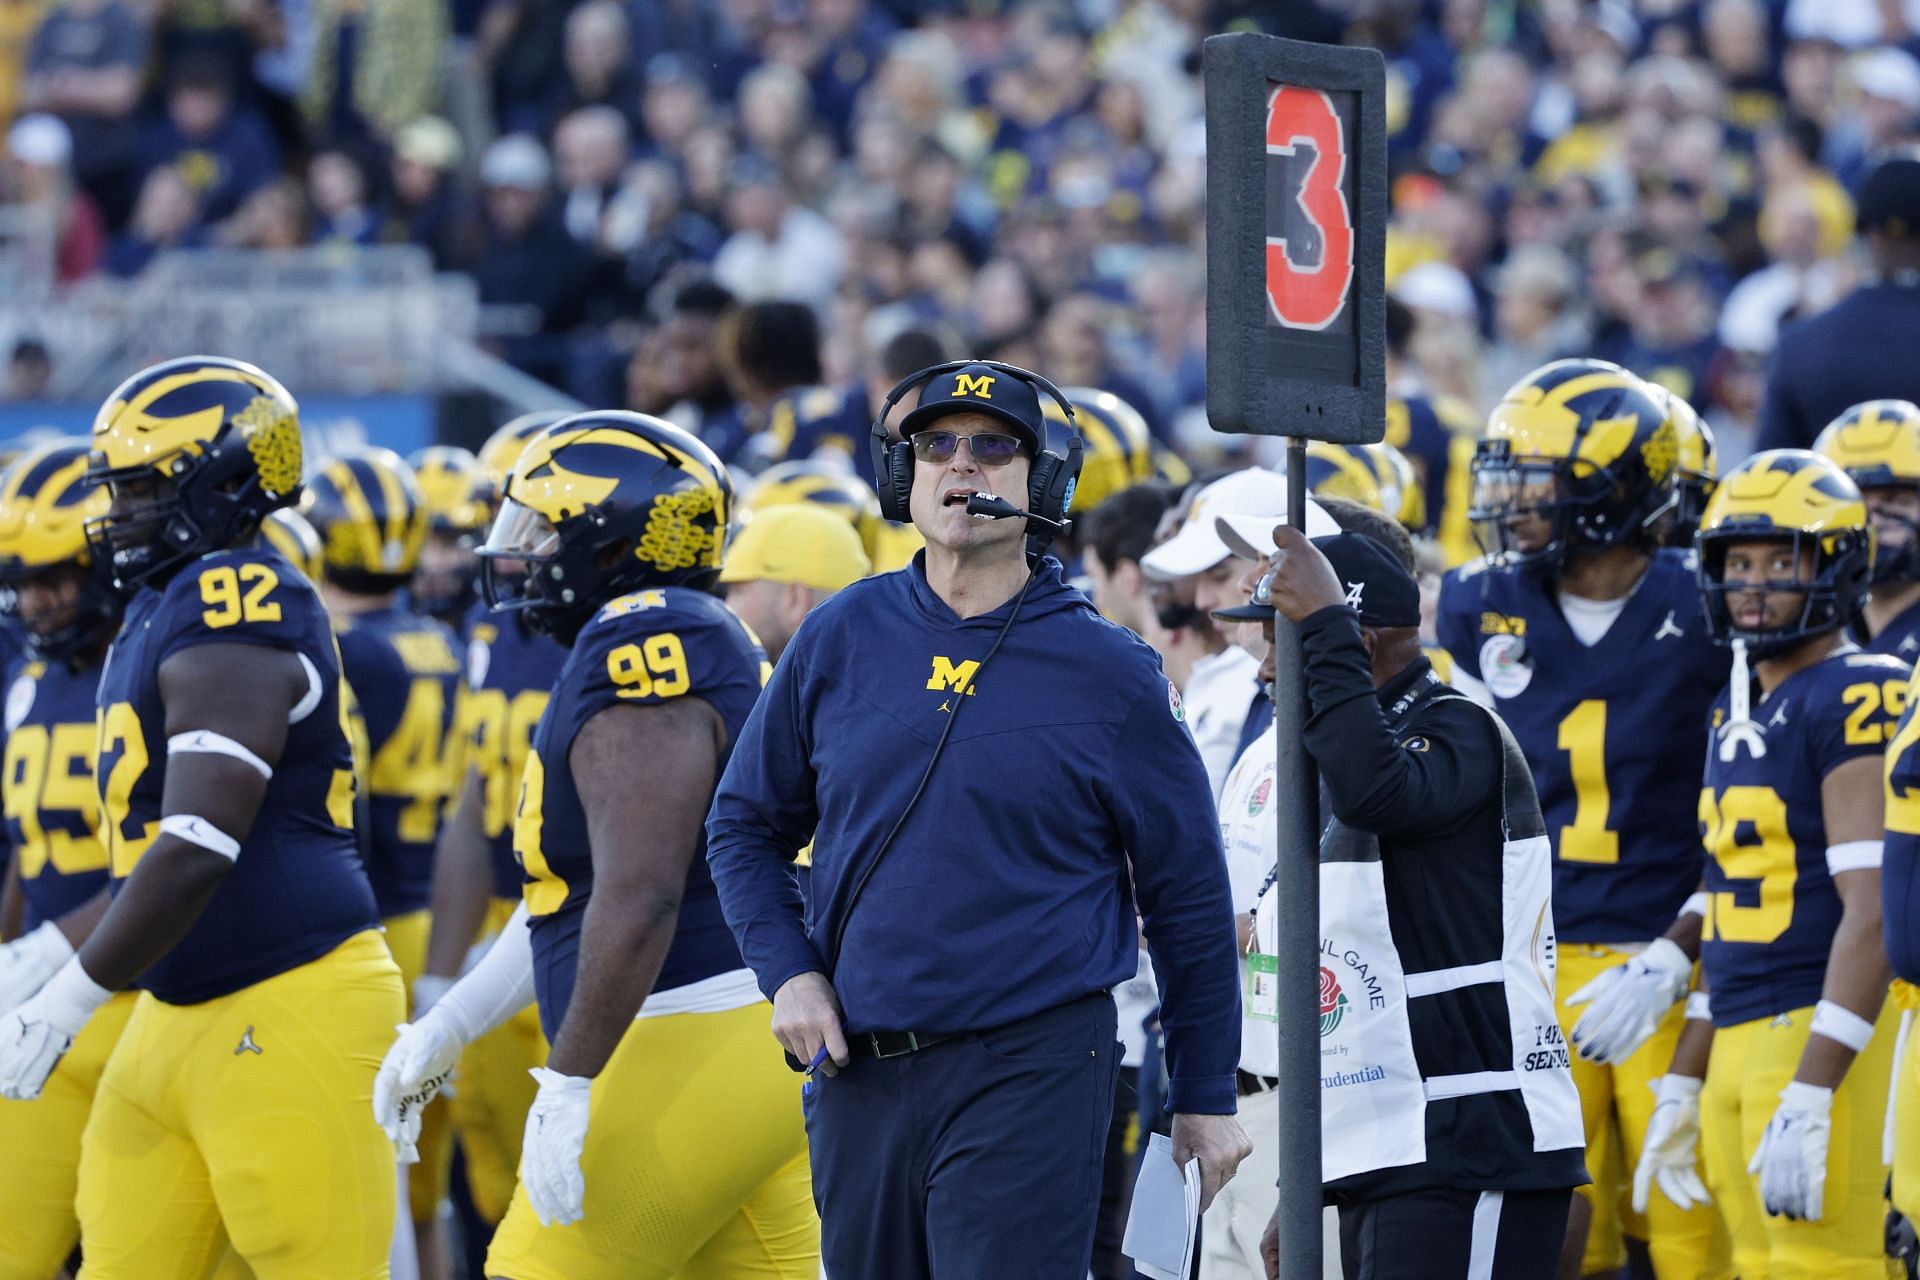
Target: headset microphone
pixel 989 506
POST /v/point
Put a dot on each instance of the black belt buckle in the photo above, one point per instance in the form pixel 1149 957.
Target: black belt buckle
pixel 893 1044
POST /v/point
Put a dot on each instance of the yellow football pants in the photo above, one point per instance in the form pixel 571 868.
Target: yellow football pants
pixel 41 1145
pixel 492 1093
pixel 248 1120
pixel 1906 1112
pixel 427 1180
pixel 1616 1105
pixel 1751 1064
pixel 695 1164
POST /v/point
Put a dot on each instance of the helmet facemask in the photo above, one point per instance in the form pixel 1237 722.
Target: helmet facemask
pixel 1830 596
pixel 1895 560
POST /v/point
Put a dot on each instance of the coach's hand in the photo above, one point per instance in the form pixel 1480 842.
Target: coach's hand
pixel 1218 1142
pixel 1303 580
pixel 1270 1245
pixel 806 1015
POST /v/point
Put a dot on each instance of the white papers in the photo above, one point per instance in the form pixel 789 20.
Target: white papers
pixel 1165 1216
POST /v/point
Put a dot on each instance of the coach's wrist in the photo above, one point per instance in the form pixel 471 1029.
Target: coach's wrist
pixel 1203 1096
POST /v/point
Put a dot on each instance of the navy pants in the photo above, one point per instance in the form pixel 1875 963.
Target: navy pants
pixel 1443 1234
pixel 977 1158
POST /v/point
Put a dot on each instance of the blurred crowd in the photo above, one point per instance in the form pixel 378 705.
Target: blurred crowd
pixel 700 207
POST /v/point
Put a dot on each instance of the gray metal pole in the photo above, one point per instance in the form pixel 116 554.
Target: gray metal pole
pixel 1297 891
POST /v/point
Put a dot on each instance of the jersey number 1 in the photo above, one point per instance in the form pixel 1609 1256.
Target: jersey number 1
pixel 1583 736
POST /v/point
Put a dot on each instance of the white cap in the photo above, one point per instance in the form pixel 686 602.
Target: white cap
pixel 1256 495
pixel 40 140
pixel 517 160
pixel 1437 286
pixel 1891 74
pixel 1251 537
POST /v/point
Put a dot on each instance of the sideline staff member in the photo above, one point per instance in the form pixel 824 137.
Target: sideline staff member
pixel 1451 1136
pixel 971 904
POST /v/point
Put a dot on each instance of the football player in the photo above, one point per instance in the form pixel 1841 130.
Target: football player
pixel 510 670
pixel 1795 1084
pixel 1591 643
pixel 1695 472
pixel 233 1112
pixel 68 611
pixel 889 545
pixel 1900 893
pixel 664 1140
pixel 404 673
pixel 446 583
pixel 1878 444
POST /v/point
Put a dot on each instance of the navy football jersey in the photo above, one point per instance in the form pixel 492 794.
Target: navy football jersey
pixel 1772 906
pixel 812 421
pixel 644 648
pixel 405 676
pixel 510 675
pixel 1900 864
pixel 1440 435
pixel 297 889
pixel 1598 726
pixel 1901 638
pixel 52 810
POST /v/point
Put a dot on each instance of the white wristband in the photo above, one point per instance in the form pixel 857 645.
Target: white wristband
pixel 185 826
pixel 1854 855
pixel 1695 905
pixel 1841 1025
pixel 208 743
pixel 1699 1006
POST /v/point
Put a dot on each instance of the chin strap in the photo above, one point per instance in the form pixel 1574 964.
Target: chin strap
pixel 1741 729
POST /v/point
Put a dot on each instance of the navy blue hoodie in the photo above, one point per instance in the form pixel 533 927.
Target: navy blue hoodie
pixel 1008 890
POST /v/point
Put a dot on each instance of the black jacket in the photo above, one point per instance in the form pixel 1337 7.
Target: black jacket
pixel 1420 769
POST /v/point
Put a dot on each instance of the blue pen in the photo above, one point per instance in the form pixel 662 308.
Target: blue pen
pixel 806 1089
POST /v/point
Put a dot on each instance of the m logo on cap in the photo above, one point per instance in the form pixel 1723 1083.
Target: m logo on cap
pixel 1353 595
pixel 969 384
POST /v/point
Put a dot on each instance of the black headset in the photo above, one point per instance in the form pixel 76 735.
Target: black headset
pixel 1050 483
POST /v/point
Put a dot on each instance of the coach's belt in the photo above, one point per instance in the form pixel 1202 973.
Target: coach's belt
pixel 893 1044
pixel 1249 1083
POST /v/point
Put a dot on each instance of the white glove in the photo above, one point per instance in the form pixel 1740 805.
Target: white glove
pixel 27 962
pixel 421 1060
pixel 1628 1001
pixel 35 1036
pixel 550 1153
pixel 1792 1157
pixel 1670 1154
pixel 415 1067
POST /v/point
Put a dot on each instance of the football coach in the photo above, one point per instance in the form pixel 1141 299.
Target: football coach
pixel 992 775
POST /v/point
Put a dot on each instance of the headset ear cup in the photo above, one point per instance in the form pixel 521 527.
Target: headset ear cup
pixel 1041 499
pixel 898 493
pixel 893 491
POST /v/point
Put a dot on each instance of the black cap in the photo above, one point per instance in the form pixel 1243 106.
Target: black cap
pixel 981 388
pixel 1379 588
pixel 1890 200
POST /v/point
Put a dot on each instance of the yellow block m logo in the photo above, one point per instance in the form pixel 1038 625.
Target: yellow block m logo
pixel 946 675
pixel 980 385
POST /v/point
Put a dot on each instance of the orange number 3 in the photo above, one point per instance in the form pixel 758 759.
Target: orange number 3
pixel 1303 121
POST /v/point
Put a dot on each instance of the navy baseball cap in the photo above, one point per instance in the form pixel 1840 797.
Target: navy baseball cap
pixel 1890 200
pixel 981 388
pixel 1379 588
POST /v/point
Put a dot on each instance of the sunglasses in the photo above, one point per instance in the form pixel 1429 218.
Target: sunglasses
pixel 989 448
